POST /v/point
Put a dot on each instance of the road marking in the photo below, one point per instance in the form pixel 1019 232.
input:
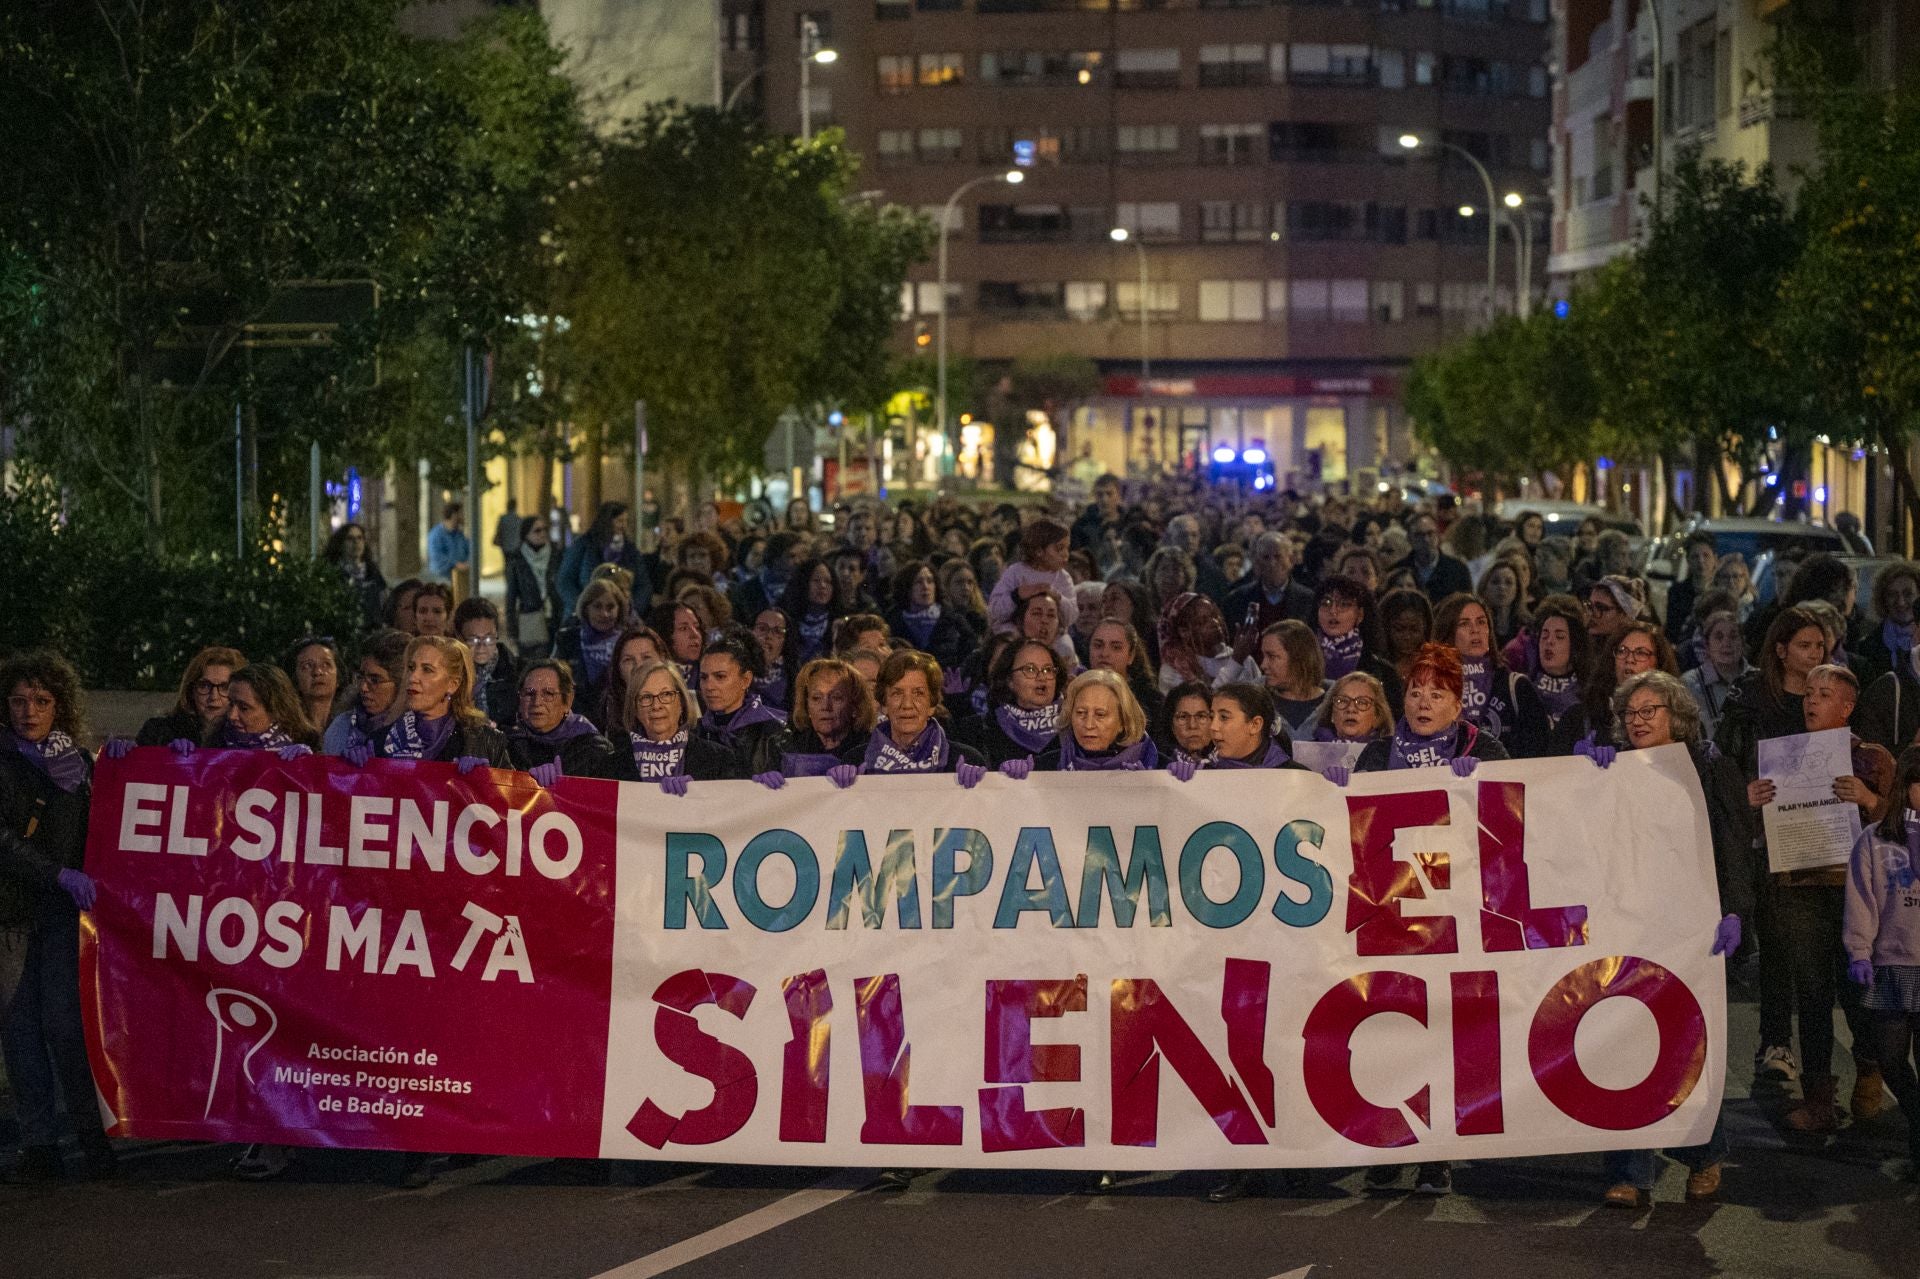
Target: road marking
pixel 1301 1273
pixel 821 1194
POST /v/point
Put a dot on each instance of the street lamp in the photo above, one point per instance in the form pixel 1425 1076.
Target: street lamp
pixel 809 36
pixel 1411 141
pixel 1522 224
pixel 1120 235
pixel 1012 177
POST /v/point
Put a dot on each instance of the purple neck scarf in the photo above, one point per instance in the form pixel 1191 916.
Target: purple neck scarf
pixel 1127 759
pixel 654 760
pixel 813 632
pixel 1560 693
pixel 1275 756
pixel 596 652
pixel 920 623
pixel 927 753
pixel 1031 731
pixel 366 730
pixel 808 763
pixel 1182 755
pixel 1898 639
pixel 574 725
pixel 272 739
pixel 1410 750
pixel 771 688
pixel 725 728
pixel 1341 653
pixel 55 755
pixel 1476 697
pixel 413 737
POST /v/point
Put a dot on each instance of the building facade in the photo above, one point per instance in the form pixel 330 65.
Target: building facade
pixel 1296 255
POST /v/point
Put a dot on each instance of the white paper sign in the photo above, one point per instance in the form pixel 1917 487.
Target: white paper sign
pixel 1807 825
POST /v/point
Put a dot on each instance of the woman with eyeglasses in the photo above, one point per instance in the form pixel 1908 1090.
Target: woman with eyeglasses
pixel 548 740
pixel 1346 622
pixel 1188 734
pixel 377 701
pixel 911 738
pixel 533 592
pixel 1102 729
pixel 1637 648
pixel 476 623
pixel 1355 712
pixel 1652 709
pixel 661 746
pixel 315 664
pixel 772 686
pixel 348 551
pixel 588 641
pixel 201 707
pixel 1022 719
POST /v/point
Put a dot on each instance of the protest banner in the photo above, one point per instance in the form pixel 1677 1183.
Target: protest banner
pixel 1253 969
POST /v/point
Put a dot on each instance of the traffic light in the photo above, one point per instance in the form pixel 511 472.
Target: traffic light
pixel 921 338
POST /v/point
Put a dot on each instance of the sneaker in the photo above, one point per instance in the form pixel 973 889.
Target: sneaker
pixel 1238 1185
pixel 1624 1195
pixel 1704 1184
pixel 897 1178
pixel 38 1165
pixel 261 1162
pixel 1383 1177
pixel 1779 1063
pixel 1433 1179
pixel 1105 1183
pixel 1869 1094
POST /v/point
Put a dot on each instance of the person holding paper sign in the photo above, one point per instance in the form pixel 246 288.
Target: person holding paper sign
pixel 1808 905
pixel 1653 709
pixel 1882 936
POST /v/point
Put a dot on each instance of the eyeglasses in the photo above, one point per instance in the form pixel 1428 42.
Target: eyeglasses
pixel 1643 714
pixel 539 694
pixel 769 630
pixel 1194 717
pixel 657 699
pixel 373 681
pixel 483 641
pixel 207 688
pixel 1030 671
pixel 1362 704
pixel 1637 654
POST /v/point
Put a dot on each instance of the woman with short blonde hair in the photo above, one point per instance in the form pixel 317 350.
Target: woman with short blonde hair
pixel 1102 728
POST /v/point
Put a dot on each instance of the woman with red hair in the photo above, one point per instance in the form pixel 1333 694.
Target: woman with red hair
pixel 1432 731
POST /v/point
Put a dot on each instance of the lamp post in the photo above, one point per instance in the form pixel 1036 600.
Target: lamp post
pixel 1012 177
pixel 1120 235
pixel 1521 221
pixel 1411 141
pixel 809 37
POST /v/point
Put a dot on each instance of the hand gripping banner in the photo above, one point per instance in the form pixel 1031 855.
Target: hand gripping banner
pixel 1252 969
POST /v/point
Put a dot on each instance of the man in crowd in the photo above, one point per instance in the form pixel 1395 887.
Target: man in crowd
pixel 1270 595
pixel 447 545
pixel 1101 513
pixel 1438 573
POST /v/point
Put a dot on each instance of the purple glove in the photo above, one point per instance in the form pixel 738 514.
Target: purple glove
pixel 842 775
pixel 467 763
pixel 117 747
pixel 1018 769
pixel 969 774
pixel 1463 765
pixel 675 785
pixel 772 779
pixel 183 746
pixel 292 751
pixel 1184 769
pixel 953 683
pixel 1338 774
pixel 548 773
pixel 79 886
pixel 1599 752
pixel 358 754
pixel 1860 972
pixel 1726 935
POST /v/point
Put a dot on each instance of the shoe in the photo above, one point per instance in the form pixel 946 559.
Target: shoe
pixel 1238 1185
pixel 1106 1183
pixel 1383 1177
pixel 97 1160
pixel 1433 1179
pixel 896 1178
pixel 418 1171
pixel 1626 1196
pixel 38 1165
pixel 1817 1112
pixel 261 1162
pixel 1777 1062
pixel 1704 1184
pixel 1869 1095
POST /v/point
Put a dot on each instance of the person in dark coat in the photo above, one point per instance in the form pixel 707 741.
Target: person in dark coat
pixel 201 707
pixel 913 737
pixel 440 723
pixel 1022 719
pixel 1498 701
pixel 1887 644
pixel 1102 729
pixel 661 746
pixel 735 718
pixel 548 739
pixel 533 597
pixel 1346 622
pixel 46 789
pixel 1115 646
pixel 348 551
pixel 918 617
pixel 812 607
pixel 1435 573
pixel 496 673
pixel 591 641
pixel 608 541
pixel 1270 595
pixel 1433 730
pixel 833 718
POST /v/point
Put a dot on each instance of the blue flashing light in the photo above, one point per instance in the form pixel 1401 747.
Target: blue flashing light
pixel 1254 457
pixel 1773 481
pixel 1025 151
pixel 1224 454
pixel 1605 463
pixel 1262 482
pixel 1560 309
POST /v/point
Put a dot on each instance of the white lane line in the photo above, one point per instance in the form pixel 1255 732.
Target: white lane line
pixel 1301 1273
pixel 821 1194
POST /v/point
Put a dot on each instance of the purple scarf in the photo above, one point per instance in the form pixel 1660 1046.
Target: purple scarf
pixel 55 755
pixel 920 623
pixel 1898 639
pixel 724 728
pixel 1341 653
pixel 654 760
pixel 1560 694
pixel 1128 759
pixel 1276 755
pixel 1410 750
pixel 272 739
pixel 574 725
pixel 927 753
pixel 1182 755
pixel 1031 731
pixel 1476 698
pixel 413 737
pixel 809 763
pixel 813 632
pixel 596 652
pixel 771 688
pixel 364 729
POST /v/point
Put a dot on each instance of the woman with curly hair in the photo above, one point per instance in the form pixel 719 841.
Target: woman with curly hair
pixel 1193 644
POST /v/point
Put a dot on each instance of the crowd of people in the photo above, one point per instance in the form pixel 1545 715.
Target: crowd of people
pixel 1176 627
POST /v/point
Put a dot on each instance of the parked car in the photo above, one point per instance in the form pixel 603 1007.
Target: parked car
pixel 1758 541
pixel 1563 518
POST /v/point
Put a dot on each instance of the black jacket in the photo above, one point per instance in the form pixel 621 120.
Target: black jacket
pixel 792 742
pixel 499 691
pixel 1753 713
pixel 1450 576
pixel 1736 863
pixel 483 740
pixel 369 591
pixel 1481 746
pixel 588 755
pixel 704 761
pixel 1247 611
pixel 527 594
pixel 163 729
pixel 1889 710
pixel 588 694
pixel 43 831
pixel 951 643
pixel 752 746
pixel 983 734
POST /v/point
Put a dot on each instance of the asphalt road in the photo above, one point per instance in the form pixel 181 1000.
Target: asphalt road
pixel 1790 1207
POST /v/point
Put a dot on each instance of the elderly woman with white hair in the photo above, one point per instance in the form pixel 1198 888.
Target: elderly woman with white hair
pixel 1102 728
pixel 1654 709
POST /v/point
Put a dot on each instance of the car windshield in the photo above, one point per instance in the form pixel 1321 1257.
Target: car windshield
pixel 1752 543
